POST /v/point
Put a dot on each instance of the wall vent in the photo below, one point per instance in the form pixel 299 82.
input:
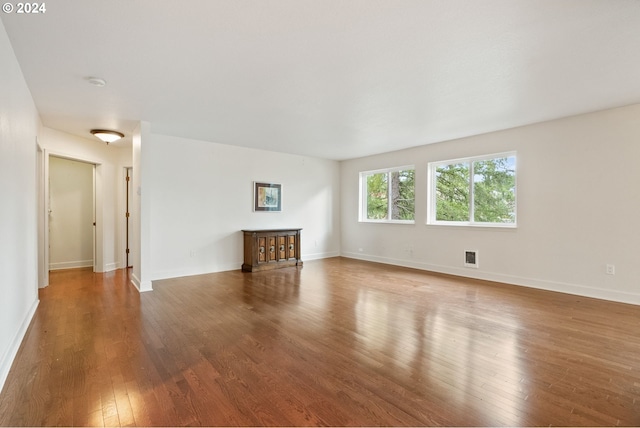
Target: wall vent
pixel 471 259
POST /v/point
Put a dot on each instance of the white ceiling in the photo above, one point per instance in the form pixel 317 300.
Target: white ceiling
pixel 330 78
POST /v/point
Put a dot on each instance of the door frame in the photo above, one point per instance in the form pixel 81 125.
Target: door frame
pixel 42 227
pixel 98 230
pixel 128 204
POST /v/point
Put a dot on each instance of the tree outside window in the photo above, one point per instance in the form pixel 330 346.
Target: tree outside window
pixel 389 195
pixel 476 191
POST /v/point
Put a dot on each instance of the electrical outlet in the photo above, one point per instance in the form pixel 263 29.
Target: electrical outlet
pixel 611 270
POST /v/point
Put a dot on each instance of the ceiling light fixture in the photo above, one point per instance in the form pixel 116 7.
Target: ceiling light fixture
pixel 107 136
pixel 96 81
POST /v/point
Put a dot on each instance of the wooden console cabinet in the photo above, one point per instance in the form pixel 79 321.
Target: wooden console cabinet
pixel 271 249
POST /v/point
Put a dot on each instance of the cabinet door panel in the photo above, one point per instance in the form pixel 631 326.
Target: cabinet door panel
pixel 291 247
pixel 272 248
pixel 282 248
pixel 262 249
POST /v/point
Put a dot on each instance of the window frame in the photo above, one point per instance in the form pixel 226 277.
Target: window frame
pixel 431 185
pixel 362 212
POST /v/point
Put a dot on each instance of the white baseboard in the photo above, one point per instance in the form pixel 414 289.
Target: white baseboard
pixel 110 267
pixel 141 286
pixel 318 256
pixel 10 355
pixel 560 287
pixel 180 273
pixel 71 265
pixel 194 271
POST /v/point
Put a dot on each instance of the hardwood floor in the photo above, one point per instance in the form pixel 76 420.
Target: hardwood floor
pixel 339 342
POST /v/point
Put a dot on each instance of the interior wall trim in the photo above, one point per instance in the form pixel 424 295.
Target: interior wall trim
pixel 541 284
pixel 10 355
pixel 71 265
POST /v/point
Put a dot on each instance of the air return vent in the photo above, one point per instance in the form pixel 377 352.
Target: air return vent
pixel 471 258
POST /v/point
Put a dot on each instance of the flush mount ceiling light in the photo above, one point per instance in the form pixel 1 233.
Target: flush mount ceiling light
pixel 107 136
pixel 96 81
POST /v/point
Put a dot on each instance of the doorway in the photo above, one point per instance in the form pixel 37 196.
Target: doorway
pixel 43 260
pixel 71 214
pixel 129 204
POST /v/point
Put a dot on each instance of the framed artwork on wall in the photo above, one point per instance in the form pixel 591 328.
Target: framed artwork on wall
pixel 267 197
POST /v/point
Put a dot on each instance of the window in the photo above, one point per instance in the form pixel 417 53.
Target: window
pixel 388 195
pixel 479 191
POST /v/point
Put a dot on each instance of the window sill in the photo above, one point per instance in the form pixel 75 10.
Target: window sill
pixel 477 226
pixel 388 221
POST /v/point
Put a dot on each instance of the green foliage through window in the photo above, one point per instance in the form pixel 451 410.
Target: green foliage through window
pixel 494 191
pixel 477 190
pixel 403 195
pixel 452 192
pixel 390 195
pixel 377 196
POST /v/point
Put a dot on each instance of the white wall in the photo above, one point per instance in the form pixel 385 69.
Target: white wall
pixel 201 197
pixel 578 209
pixel 110 162
pixel 19 126
pixel 141 209
pixel 71 214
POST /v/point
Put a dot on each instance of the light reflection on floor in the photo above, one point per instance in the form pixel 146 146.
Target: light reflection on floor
pixel 474 361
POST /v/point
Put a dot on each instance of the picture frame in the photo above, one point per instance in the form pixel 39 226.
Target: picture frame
pixel 267 197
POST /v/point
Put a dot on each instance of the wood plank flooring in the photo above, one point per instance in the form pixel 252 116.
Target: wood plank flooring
pixel 339 342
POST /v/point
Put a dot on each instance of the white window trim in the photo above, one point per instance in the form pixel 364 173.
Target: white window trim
pixel 362 211
pixel 431 185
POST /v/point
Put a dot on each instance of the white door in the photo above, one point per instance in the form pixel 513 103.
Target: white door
pixel 71 214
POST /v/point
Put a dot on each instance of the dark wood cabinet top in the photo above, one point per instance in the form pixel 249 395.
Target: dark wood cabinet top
pixel 271 230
